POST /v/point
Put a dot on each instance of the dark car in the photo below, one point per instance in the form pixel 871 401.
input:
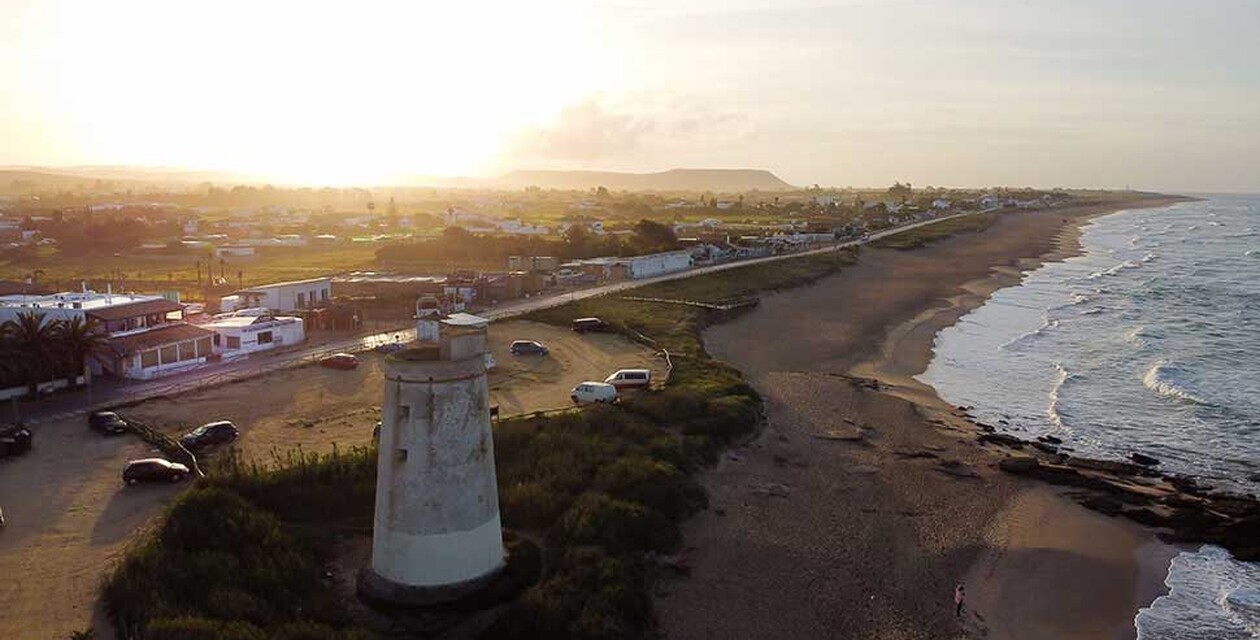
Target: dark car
pixel 340 361
pixel 107 422
pixel 389 347
pixel 210 433
pixel 528 348
pixel 584 325
pixel 14 441
pixel 153 470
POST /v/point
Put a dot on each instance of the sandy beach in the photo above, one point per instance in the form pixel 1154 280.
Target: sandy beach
pixel 861 505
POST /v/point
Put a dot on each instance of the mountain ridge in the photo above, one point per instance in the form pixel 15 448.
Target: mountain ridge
pixel 671 180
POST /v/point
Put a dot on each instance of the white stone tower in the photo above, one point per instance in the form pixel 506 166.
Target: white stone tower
pixel 437 534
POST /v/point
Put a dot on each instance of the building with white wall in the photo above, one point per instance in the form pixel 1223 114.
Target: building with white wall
pixel 147 334
pixel 253 330
pixel 287 296
pixel 636 267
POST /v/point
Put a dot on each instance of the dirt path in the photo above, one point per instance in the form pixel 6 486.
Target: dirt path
pixel 70 516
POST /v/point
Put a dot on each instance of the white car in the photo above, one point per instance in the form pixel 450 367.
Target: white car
pixel 630 379
pixel 591 392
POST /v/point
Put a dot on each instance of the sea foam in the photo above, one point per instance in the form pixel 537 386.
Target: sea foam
pixel 1170 380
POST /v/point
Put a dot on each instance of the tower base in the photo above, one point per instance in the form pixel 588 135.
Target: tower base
pixel 383 592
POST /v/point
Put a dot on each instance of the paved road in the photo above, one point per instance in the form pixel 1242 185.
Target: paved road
pixel 112 393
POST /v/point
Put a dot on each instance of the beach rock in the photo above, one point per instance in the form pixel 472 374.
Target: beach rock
pixel 1242 538
pixel 1019 464
pixel 1234 505
pixel 1049 439
pixel 1145 516
pixel 1180 501
pixel 1108 466
pixel 956 469
pixel 771 489
pixel 913 453
pixel 1044 447
pixel 1143 459
pixel 1003 439
pixel 1102 504
pixel 1186 484
pixel 845 435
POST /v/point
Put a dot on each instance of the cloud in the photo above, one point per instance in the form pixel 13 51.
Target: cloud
pixel 590 134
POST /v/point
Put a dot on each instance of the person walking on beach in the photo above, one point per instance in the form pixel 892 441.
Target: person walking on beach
pixel 959 594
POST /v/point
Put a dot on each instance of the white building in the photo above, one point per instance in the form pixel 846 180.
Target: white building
pixel 659 263
pixel 233 251
pixel 147 334
pixel 287 296
pixel 252 330
pixel 636 267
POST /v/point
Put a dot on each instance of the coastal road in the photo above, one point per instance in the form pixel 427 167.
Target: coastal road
pixel 113 394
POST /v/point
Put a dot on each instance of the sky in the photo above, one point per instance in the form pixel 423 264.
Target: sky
pixel 1152 94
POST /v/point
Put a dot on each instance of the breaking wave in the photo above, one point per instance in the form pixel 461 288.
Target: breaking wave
pixel 1127 264
pixel 1031 335
pixel 1169 380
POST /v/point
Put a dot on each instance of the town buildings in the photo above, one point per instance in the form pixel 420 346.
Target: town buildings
pixel 290 296
pixel 147 334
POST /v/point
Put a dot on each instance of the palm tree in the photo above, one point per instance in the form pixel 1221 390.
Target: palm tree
pixel 35 341
pixel 10 357
pixel 79 341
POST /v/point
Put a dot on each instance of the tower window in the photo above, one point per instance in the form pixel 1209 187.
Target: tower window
pixel 400 455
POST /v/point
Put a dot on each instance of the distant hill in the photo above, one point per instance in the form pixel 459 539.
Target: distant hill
pixel 725 180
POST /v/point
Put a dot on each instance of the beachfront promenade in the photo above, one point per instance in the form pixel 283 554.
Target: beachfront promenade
pixel 104 394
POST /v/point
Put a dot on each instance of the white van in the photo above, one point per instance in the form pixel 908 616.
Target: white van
pixel 630 379
pixel 589 392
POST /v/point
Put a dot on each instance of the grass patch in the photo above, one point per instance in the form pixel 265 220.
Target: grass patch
pixel 923 236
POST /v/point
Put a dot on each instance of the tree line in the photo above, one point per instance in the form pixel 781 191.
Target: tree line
pixel 458 245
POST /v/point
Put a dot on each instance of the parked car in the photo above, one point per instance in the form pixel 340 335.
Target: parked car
pixel 586 325
pixel 340 361
pixel 14 441
pixel 210 433
pixel 529 348
pixel 153 470
pixel 593 392
pixel 390 347
pixel 630 379
pixel 107 422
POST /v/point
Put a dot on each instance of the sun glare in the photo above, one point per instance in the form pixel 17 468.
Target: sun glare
pixel 303 93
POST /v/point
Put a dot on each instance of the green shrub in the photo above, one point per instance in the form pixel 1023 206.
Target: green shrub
pixel 532 504
pixel 598 519
pixel 654 483
pixel 189 628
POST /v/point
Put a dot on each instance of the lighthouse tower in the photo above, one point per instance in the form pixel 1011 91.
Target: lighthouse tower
pixel 437 534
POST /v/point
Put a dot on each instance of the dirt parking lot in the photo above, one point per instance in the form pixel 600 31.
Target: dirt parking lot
pixel 70 516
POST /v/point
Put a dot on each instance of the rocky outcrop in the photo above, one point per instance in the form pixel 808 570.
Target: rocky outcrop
pixel 1178 506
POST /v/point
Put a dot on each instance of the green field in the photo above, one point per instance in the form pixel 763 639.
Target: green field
pixel 163 272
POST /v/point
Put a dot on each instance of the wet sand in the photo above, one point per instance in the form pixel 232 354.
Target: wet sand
pixel 860 506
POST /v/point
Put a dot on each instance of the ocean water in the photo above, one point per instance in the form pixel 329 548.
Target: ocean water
pixel 1148 342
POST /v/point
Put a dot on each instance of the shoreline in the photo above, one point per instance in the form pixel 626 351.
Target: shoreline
pixel 907 353
pixel 957 519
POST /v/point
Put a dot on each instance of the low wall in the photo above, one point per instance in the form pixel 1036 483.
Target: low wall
pixel 44 387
